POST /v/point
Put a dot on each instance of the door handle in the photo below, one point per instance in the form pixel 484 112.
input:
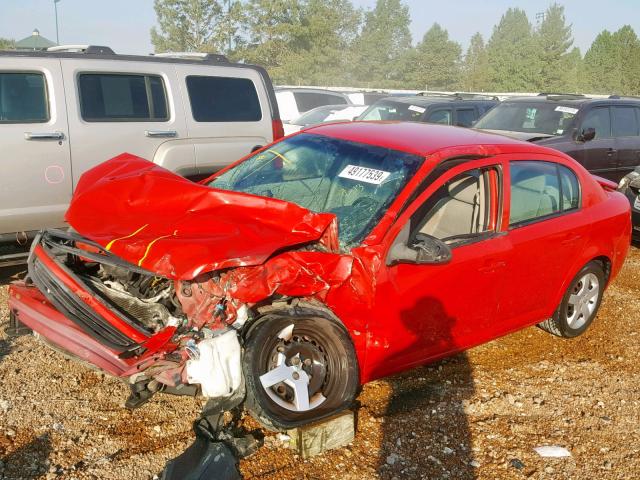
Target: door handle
pixel 569 239
pixel 160 133
pixel 43 135
pixel 611 152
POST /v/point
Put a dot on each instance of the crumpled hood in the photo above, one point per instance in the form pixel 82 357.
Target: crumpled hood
pixel 171 226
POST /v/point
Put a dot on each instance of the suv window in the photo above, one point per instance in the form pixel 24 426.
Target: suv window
pixel 535 191
pixel 114 97
pixel 309 100
pixel 23 98
pixel 599 119
pixel 625 123
pixel 390 110
pixel 223 99
pixel 440 116
pixel 465 118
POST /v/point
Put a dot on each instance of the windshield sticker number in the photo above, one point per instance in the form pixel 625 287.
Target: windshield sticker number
pixel 415 108
pixel 569 110
pixel 363 174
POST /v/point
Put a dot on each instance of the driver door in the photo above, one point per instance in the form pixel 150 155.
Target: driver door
pixel 425 311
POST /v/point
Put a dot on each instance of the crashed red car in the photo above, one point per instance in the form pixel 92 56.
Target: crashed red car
pixel 331 258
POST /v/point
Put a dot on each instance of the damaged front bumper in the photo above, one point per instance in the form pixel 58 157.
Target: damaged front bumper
pixel 70 314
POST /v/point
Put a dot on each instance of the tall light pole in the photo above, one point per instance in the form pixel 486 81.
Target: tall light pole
pixel 55 6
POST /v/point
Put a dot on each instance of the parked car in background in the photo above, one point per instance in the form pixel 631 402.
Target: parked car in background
pixel 328 113
pixel 458 109
pixel 337 256
pixel 630 186
pixel 65 110
pixel 602 134
pixel 293 102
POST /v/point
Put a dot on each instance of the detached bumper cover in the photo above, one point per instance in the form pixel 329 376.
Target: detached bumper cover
pixel 33 309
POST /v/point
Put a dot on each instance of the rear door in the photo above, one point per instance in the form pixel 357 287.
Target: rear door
pixel 35 185
pixel 626 131
pixel 465 116
pixel 228 113
pixel 119 106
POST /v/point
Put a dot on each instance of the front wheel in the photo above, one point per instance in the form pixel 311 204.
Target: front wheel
pixel 298 370
pixel 580 303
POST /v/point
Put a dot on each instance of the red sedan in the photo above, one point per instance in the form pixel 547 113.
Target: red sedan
pixel 328 259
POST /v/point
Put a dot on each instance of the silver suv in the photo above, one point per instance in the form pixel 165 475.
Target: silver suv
pixel 65 110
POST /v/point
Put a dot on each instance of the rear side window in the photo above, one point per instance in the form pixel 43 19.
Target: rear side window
pixel 625 123
pixel 535 191
pixel 570 188
pixel 599 119
pixel 23 98
pixel 465 118
pixel 309 100
pixel 223 99
pixel 122 98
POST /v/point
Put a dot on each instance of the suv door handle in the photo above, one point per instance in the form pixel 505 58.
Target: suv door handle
pixel 43 136
pixel 160 133
pixel 611 151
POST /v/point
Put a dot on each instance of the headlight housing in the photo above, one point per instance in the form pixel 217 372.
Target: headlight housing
pixel 627 179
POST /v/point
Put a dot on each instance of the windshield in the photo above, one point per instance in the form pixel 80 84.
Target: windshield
pixel 543 118
pixel 317 115
pixel 393 111
pixel 356 182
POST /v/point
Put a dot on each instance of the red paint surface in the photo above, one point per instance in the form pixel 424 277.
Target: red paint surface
pixel 398 316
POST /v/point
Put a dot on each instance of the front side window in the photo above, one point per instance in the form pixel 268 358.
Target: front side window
pixel 625 123
pixel 113 97
pixel 600 120
pixel 223 99
pixel 460 209
pixel 356 182
pixel 535 117
pixel 23 98
pixel 443 117
pixel 541 189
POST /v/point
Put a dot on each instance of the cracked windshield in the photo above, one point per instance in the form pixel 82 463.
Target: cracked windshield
pixel 354 181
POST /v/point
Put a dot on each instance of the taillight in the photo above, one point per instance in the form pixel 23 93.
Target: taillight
pixel 278 129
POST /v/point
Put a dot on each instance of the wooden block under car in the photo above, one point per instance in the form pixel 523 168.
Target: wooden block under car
pixel 316 438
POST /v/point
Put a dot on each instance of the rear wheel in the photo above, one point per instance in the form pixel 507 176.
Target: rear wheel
pixel 298 370
pixel 580 303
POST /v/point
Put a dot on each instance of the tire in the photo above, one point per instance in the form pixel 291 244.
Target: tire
pixel 580 303
pixel 313 354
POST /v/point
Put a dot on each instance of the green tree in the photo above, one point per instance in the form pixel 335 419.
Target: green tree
pixel 553 42
pixel 380 51
pixel 574 68
pixel 193 25
pixel 436 61
pixel 512 54
pixel 7 44
pixel 273 30
pixel 329 28
pixel 612 64
pixel 475 68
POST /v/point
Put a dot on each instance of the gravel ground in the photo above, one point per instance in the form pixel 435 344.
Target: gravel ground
pixel 475 416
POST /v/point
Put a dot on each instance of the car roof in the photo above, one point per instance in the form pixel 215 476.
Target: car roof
pixel 424 100
pixel 423 138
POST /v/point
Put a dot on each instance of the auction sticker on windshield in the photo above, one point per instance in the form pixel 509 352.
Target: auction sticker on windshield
pixel 569 110
pixel 364 174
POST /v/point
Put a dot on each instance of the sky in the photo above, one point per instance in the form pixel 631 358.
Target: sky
pixel 124 24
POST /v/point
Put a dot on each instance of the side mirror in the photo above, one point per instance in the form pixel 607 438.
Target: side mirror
pixel 587 134
pixel 423 250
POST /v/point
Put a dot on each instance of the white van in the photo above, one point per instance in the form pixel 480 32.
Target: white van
pixel 65 110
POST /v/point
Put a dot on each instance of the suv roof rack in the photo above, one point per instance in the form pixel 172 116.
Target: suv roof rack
pixel 458 95
pixel 89 49
pixel 620 97
pixel 205 57
pixel 562 96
